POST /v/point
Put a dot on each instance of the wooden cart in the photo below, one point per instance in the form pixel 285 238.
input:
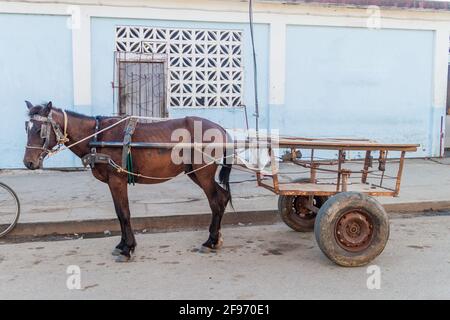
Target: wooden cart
pixel 334 194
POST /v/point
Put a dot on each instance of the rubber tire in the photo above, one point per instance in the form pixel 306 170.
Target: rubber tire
pixel 284 202
pixel 331 212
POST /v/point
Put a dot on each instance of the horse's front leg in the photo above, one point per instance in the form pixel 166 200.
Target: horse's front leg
pixel 118 249
pixel 119 192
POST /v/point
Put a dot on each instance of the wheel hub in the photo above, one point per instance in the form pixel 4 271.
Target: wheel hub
pixel 300 207
pixel 354 230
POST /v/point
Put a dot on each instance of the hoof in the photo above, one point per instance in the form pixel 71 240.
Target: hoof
pixel 116 252
pixel 205 249
pixel 219 244
pixel 122 258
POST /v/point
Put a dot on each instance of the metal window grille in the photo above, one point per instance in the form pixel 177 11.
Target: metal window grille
pixel 140 86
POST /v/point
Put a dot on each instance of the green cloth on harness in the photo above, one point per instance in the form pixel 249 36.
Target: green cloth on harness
pixel 131 177
pixel 127 159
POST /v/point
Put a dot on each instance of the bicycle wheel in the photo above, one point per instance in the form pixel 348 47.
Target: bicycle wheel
pixel 9 209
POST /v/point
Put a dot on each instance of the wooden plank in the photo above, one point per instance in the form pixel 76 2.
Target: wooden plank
pixel 330 189
pixel 335 143
pixel 288 143
pixel 346 145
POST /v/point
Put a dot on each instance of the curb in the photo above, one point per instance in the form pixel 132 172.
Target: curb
pixel 140 224
pixel 186 222
pixel 417 207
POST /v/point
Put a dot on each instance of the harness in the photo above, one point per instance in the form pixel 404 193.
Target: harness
pixel 93 157
pixel 127 160
pixel 48 123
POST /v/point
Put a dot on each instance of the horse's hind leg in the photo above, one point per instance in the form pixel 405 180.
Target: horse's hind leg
pixel 218 199
pixel 118 188
pixel 218 205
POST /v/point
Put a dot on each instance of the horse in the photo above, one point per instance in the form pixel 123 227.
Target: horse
pixel 49 128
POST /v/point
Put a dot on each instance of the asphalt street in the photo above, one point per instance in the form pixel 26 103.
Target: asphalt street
pixel 257 262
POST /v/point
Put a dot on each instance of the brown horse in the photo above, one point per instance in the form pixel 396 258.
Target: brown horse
pixel 49 127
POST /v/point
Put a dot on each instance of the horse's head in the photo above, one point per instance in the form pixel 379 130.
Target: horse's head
pixel 41 138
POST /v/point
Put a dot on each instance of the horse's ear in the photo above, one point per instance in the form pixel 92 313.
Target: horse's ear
pixel 29 104
pixel 47 109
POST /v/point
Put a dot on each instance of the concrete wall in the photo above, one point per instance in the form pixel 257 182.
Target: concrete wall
pixel 357 82
pixel 321 71
pixel 102 46
pixel 35 65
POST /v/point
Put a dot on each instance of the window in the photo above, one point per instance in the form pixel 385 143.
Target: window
pixel 205 67
pixel 141 86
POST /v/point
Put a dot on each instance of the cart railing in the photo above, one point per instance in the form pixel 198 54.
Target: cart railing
pixel 344 176
pixel 344 179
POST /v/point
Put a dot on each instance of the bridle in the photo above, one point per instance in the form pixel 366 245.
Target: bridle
pixel 49 123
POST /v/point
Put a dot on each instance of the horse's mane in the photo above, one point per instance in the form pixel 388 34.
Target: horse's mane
pixel 76 114
pixel 36 110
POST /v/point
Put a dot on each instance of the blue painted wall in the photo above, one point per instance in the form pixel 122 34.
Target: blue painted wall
pixel 35 65
pixel 339 81
pixel 103 46
pixel 358 82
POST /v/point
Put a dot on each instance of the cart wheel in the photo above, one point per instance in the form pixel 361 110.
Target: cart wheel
pixel 294 212
pixel 352 229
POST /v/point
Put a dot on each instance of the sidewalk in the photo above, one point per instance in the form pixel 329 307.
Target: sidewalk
pixel 55 196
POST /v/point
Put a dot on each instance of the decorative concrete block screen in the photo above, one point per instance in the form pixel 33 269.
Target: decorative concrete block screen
pixel 205 67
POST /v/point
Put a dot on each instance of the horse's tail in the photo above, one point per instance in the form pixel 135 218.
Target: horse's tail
pixel 224 176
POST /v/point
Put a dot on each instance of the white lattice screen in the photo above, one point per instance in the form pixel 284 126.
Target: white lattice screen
pixel 205 67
